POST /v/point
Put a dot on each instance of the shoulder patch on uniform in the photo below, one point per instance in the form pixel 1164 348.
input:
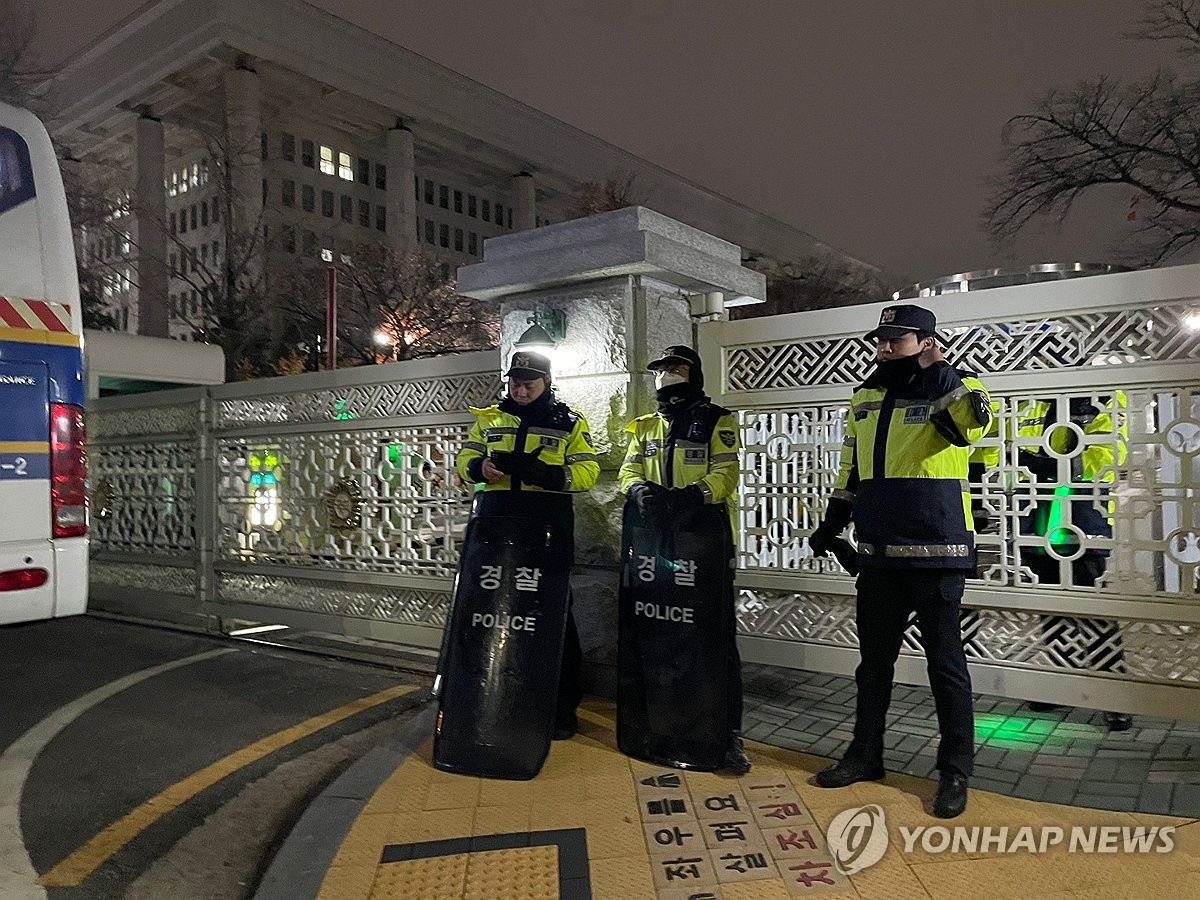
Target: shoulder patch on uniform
pixel 728 438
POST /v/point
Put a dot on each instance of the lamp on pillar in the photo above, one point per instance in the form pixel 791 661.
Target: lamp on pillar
pixel 547 328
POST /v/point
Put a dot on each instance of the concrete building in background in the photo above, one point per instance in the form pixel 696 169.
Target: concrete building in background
pixel 331 137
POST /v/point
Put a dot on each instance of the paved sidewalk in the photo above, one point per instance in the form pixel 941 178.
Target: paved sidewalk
pixel 1063 756
pixel 597 824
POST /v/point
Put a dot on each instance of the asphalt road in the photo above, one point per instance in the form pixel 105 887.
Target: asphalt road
pixel 119 741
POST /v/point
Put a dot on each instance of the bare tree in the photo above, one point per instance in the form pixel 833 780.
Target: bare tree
pixel 1144 135
pixel 617 191
pixel 391 306
pixel 814 282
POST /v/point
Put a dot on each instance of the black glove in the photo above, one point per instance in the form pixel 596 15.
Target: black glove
pixel 837 516
pixel 648 498
pixel 532 470
pixel 685 500
pixel 821 540
pixel 504 460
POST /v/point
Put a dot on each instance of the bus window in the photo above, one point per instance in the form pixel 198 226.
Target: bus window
pixel 16 172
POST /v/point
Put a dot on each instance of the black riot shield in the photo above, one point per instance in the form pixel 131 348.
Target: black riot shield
pixel 675 615
pixel 501 651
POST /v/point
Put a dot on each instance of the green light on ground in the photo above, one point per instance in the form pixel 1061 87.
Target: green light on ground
pixel 1055 533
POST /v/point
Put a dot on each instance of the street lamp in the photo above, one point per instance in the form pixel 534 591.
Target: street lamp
pixel 547 328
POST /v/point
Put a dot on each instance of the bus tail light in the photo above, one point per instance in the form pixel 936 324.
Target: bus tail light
pixel 68 471
pixel 23 579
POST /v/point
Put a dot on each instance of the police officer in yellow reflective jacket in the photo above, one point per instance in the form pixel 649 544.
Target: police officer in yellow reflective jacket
pixel 681 458
pixel 1083 471
pixel 903 481
pixel 530 452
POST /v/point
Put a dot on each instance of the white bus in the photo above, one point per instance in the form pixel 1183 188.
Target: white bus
pixel 43 478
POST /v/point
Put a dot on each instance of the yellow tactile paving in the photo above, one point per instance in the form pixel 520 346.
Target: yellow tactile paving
pixel 760 837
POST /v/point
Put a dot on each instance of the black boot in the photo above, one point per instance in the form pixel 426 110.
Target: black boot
pixel 1118 721
pixel 847 772
pixel 736 760
pixel 951 797
pixel 564 729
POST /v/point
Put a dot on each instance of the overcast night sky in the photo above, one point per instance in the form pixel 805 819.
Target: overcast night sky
pixel 872 124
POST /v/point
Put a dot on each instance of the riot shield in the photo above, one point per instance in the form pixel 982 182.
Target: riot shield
pixel 675 615
pixel 501 651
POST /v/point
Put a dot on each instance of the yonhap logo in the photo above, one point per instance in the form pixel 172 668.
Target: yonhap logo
pixel 858 838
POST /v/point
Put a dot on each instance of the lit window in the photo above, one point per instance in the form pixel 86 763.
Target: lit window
pixel 174 188
pixel 326 160
pixel 345 172
pixel 204 170
pixel 195 174
pixel 183 177
pixel 326 254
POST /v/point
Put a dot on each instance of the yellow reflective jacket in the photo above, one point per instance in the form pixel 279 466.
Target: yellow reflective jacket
pixel 562 434
pixel 904 469
pixel 706 455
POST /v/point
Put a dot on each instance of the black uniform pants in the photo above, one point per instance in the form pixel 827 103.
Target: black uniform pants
pixel 570 693
pixel 886 600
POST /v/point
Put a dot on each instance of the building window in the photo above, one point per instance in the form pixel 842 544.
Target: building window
pixel 289 192
pixel 326 254
pixel 458 239
pixel 429 192
pixel 381 176
pixel 444 235
pixel 203 214
pixel 216 245
pixel 204 171
pixel 381 218
pixel 172 223
pixel 306 154
pixel 416 188
pixel 287 147
pixel 347 209
pixel 308 246
pixel 364 171
pixel 263 141
pixel 458 207
pixel 174 188
pixel 472 243
pixel 508 218
pixel 345 172
pixel 195 174
pixel 472 208
pixel 486 212
pixel 216 216
pixel 183 221
pixel 192 217
pixel 327 204
pixel 204 255
pixel 289 239
pixel 327 160
pixel 364 213
pixel 183 185
pixel 429 231
pixel 308 198
pixel 499 215
pixel 443 196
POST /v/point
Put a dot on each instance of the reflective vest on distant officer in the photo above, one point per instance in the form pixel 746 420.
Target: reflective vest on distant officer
pixel 560 440
pixel 1103 452
pixel 707 456
pixel 904 467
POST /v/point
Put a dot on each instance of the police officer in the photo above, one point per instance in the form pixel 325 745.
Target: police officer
pixel 1094 463
pixel 903 481
pixel 531 452
pixel 681 459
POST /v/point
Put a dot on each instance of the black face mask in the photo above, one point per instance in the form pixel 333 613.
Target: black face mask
pixel 894 373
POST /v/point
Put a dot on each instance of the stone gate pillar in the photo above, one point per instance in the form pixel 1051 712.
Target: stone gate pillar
pixel 627 281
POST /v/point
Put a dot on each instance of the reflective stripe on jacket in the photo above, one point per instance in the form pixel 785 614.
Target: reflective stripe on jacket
pixel 706 456
pixel 904 469
pixel 563 437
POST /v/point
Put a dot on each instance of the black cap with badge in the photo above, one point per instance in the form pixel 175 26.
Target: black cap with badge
pixel 528 365
pixel 897 321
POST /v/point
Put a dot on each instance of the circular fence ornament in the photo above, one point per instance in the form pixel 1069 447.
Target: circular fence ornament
pixel 344 503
